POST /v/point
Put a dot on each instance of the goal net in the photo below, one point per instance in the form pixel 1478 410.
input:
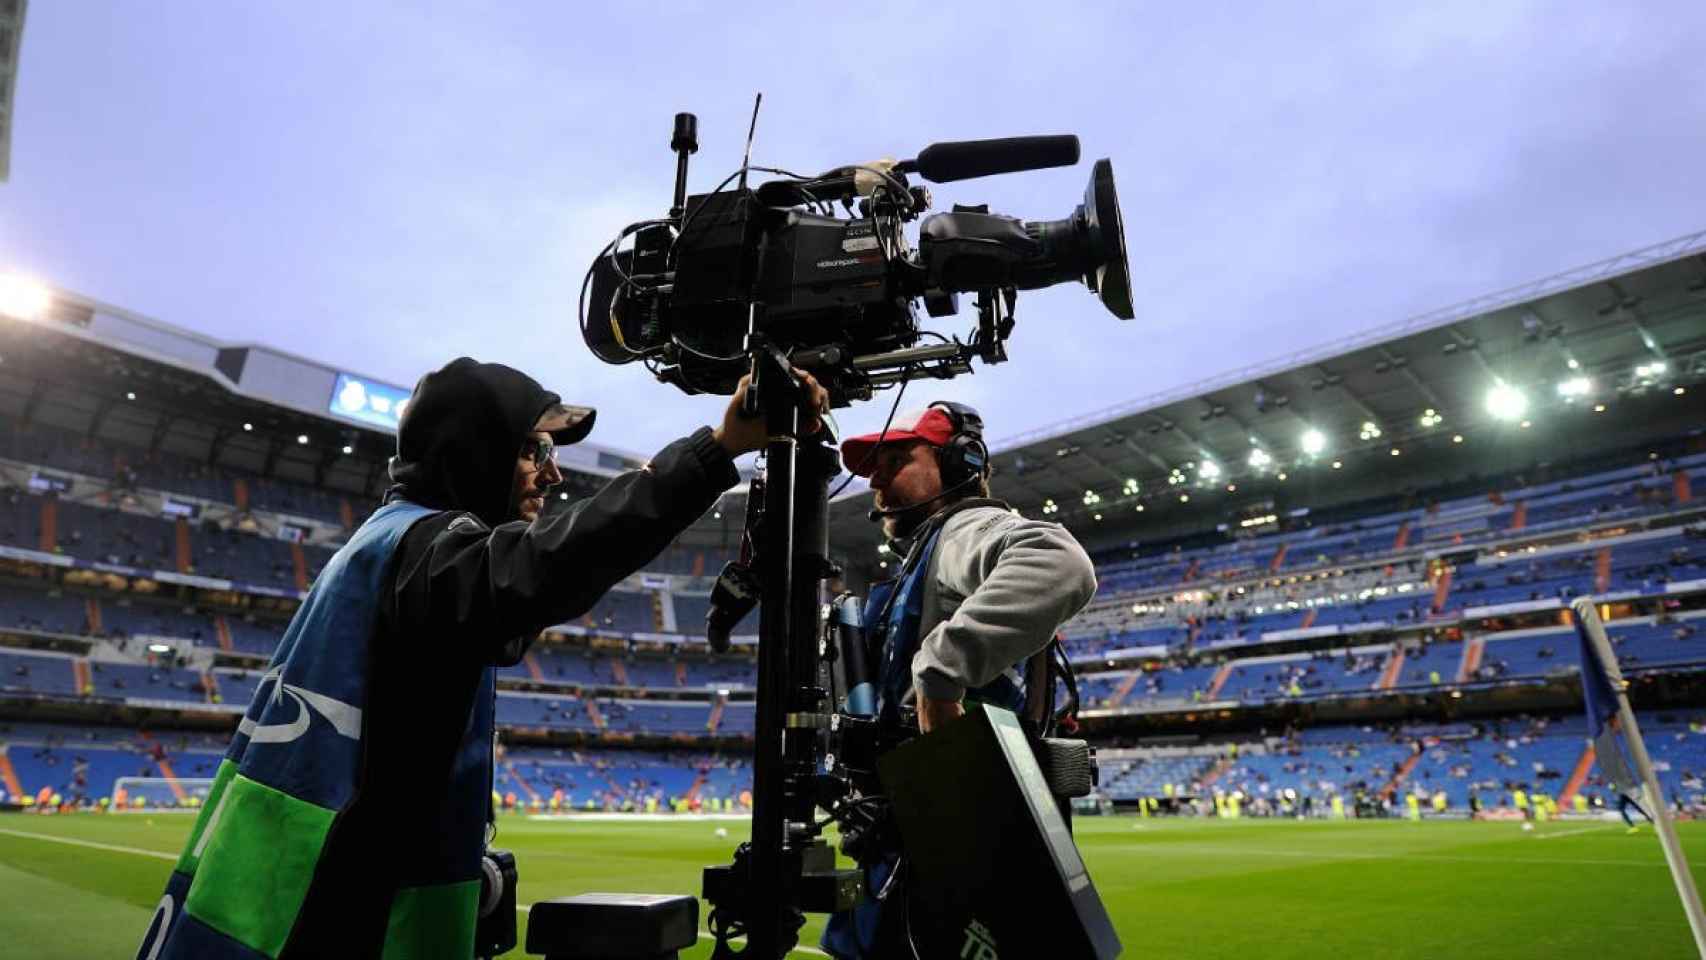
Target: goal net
pixel 160 793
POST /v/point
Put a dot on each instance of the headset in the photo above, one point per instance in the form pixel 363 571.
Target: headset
pixel 964 459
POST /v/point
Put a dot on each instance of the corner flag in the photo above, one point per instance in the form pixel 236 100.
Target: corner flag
pixel 1609 715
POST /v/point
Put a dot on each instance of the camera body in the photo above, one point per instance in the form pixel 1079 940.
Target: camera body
pixel 822 267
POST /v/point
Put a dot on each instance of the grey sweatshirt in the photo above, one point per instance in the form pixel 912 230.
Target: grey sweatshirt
pixel 1001 585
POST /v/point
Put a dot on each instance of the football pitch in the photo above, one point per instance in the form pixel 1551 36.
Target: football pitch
pixel 84 886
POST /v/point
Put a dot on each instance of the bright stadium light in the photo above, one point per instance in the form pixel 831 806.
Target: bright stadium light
pixel 1131 486
pixel 23 298
pixel 1370 431
pixel 1259 458
pixel 1457 438
pixel 1314 441
pixel 248 428
pixel 1184 498
pixel 1648 371
pixel 1431 418
pixel 1209 470
pixel 130 394
pixel 1575 387
pixel 302 438
pixel 348 449
pixel 1506 402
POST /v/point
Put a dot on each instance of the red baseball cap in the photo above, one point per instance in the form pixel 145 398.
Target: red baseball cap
pixel 930 424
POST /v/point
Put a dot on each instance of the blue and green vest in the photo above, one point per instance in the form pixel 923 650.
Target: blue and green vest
pixel 293 767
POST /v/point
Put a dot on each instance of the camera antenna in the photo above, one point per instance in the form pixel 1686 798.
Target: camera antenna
pixel 751 128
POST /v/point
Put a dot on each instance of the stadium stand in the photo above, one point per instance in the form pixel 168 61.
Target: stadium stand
pixel 1373 631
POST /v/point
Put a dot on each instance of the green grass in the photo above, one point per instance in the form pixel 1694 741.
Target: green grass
pixel 1175 888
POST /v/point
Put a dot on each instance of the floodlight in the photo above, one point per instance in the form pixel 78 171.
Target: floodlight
pixel 302 438
pixel 23 298
pixel 1575 387
pixel 348 449
pixel 1506 402
pixel 1208 470
pixel 1314 441
pixel 248 428
pixel 1370 431
pixel 1259 458
pixel 1431 418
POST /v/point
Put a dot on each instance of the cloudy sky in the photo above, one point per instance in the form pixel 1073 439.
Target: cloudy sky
pixel 383 186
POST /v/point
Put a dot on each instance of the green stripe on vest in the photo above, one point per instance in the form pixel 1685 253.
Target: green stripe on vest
pixel 257 863
pixel 435 921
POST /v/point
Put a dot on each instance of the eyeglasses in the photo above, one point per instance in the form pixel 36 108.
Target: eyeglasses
pixel 541 450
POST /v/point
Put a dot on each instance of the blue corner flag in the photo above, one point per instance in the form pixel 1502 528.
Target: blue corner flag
pixel 1600 683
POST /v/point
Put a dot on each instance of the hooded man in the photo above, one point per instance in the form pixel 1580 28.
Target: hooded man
pixel 316 840
pixel 969 617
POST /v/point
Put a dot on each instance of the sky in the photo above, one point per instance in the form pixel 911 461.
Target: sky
pixel 384 186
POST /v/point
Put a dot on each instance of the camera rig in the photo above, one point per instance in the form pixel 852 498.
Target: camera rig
pixel 766 281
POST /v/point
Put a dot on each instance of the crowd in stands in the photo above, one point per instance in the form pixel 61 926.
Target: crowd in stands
pixel 1477 767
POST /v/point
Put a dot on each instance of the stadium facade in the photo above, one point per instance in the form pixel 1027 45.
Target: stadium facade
pixel 1344 575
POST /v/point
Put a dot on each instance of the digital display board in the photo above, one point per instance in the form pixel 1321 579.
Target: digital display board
pixel 378 404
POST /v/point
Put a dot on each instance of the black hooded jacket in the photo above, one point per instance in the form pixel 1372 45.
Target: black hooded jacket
pixel 470 588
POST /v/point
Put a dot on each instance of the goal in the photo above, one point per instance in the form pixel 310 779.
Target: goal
pixel 160 793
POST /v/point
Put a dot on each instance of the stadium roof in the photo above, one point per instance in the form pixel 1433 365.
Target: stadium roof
pixel 91 367
pixel 1624 334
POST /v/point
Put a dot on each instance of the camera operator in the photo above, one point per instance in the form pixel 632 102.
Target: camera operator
pixel 316 841
pixel 969 617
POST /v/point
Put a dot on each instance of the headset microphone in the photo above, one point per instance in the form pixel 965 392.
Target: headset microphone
pixel 879 512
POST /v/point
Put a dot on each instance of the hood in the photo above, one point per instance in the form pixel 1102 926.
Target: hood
pixel 461 434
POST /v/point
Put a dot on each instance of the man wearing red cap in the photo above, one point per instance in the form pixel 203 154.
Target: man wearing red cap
pixel 980 594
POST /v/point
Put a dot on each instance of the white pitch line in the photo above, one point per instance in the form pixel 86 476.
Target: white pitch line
pixel 706 935
pixel 90 843
pixel 1570 833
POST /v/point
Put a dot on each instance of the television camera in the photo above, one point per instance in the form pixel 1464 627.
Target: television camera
pixel 838 293
pixel 816 273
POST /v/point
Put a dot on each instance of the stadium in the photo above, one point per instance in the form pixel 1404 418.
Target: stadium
pixel 1331 671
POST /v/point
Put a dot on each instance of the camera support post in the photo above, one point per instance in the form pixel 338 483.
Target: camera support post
pixel 786 869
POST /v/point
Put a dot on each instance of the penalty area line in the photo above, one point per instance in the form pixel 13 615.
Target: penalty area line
pixel 92 844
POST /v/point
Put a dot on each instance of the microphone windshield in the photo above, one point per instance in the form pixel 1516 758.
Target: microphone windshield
pixel 965 159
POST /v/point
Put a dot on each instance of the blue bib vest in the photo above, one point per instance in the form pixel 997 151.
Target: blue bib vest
pixel 294 766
